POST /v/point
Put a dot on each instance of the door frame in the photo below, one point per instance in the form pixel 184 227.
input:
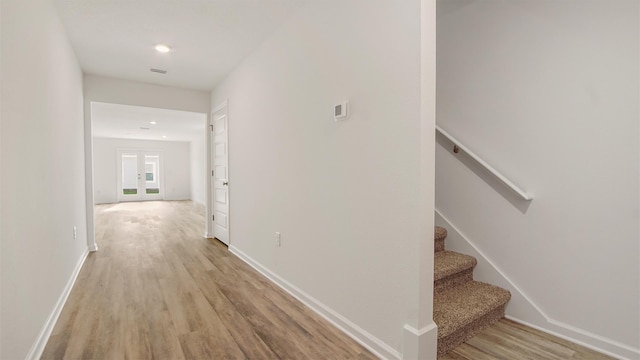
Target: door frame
pixel 224 105
pixel 120 92
pixel 139 152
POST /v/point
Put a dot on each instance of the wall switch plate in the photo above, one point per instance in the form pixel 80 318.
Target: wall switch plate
pixel 278 243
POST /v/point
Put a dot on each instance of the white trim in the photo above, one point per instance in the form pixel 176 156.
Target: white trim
pixel 632 351
pixel 635 352
pixel 579 336
pixel 41 341
pixel 93 247
pixel 420 344
pixel 88 172
pixel 422 331
pixel 208 235
pixel 220 106
pixel 364 338
pixel 494 266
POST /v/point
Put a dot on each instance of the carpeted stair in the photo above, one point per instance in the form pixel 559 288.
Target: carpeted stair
pixel 461 306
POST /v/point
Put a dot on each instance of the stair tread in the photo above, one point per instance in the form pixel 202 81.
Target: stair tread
pixel 457 307
pixel 439 233
pixel 448 263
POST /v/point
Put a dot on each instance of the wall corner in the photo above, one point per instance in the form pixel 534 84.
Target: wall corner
pixel 420 344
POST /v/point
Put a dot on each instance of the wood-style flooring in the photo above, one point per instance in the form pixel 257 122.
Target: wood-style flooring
pixel 508 340
pixel 157 289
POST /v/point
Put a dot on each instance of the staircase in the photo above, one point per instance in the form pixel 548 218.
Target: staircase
pixel 461 306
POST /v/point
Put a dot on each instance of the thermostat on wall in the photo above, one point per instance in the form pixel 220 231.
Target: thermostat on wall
pixel 341 111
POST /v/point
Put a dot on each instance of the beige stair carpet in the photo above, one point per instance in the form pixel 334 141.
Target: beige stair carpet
pixel 452 269
pixel 440 234
pixel 461 306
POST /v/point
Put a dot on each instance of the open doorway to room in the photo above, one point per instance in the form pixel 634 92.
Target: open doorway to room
pixel 148 154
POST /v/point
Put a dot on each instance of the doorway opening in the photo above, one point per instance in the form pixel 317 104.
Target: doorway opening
pixel 149 154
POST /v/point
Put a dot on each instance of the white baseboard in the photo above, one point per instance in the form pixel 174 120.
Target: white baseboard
pixel 208 235
pixel 41 341
pixel 632 354
pixel 544 322
pixel 420 344
pixel 93 247
pixel 198 203
pixel 373 344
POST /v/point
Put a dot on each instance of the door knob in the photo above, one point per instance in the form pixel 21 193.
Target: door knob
pixel 225 183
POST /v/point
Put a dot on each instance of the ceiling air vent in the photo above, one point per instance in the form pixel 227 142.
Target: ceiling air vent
pixel 159 71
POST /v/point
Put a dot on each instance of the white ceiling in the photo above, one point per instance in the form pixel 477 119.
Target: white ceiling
pixel 116 38
pixel 125 122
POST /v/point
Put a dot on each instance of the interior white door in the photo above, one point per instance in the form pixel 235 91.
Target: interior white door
pixel 139 175
pixel 220 183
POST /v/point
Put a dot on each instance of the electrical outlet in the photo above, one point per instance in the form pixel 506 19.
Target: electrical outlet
pixel 75 233
pixel 278 243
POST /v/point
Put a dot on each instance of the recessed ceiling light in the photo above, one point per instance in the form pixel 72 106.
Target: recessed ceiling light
pixel 163 48
pixel 164 136
pixel 152 122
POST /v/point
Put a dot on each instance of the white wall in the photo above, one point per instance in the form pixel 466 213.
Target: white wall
pixel 125 92
pixel 198 165
pixel 345 196
pixel 43 194
pixel 547 92
pixel 175 161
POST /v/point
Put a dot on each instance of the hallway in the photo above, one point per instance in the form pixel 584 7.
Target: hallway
pixel 157 289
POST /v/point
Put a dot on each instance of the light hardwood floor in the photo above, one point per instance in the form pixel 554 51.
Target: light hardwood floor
pixel 157 289
pixel 508 340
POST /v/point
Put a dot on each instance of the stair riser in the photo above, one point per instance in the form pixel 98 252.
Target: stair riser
pixel 452 280
pixel 463 334
pixel 440 234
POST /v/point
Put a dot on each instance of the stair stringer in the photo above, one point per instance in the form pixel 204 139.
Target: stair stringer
pixel 521 308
